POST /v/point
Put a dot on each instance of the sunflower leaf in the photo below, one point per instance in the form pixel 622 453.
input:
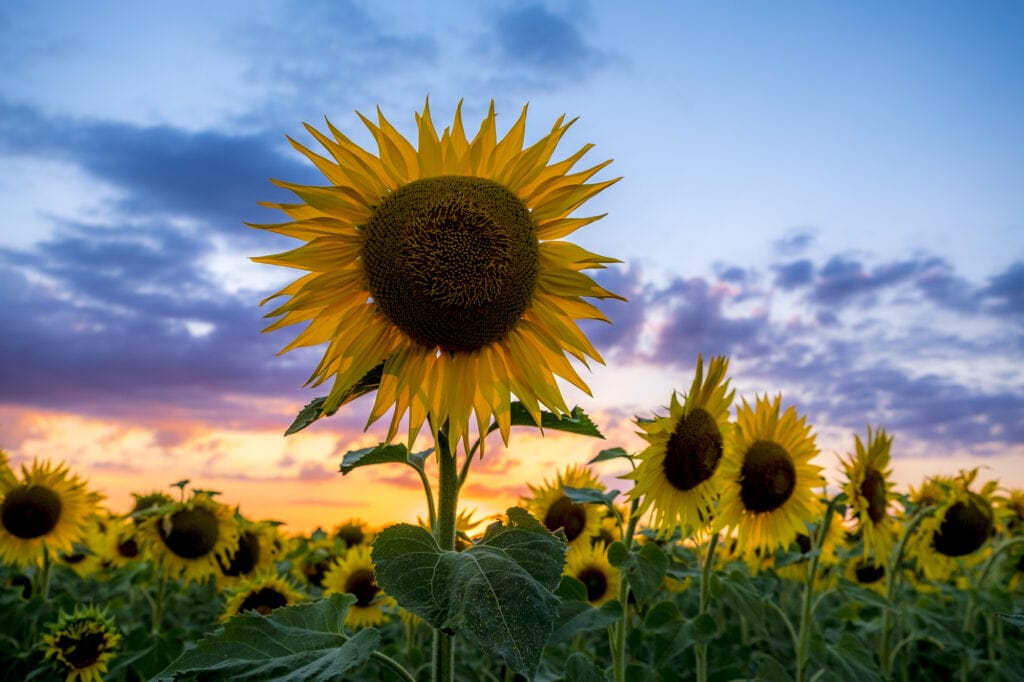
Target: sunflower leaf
pixel 498 594
pixel 644 568
pixel 302 642
pixel 1015 618
pixel 383 454
pixel 610 453
pixel 578 668
pixel 575 617
pixel 314 409
pixel 576 421
pixel 591 496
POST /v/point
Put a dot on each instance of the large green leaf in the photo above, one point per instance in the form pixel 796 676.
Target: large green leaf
pixel 644 567
pixel 301 643
pixel 499 593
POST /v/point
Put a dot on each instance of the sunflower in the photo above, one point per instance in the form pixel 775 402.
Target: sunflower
pixel 352 532
pixel 45 511
pixel 148 504
pixel 444 265
pixel 124 543
pixel 255 553
pixel 589 564
pixel 678 472
pixel 81 644
pixel 189 538
pixel 312 557
pixel 1010 513
pixel 261 593
pixel 869 490
pixel 866 572
pixel 353 574
pixel 551 506
pixel 768 479
pixel 963 522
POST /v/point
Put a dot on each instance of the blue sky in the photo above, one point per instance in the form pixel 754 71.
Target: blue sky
pixel 829 193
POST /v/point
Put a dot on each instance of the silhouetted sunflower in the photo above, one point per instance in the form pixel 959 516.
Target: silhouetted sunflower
pixel 443 263
pixel 46 510
pixel 768 480
pixel 81 644
pixel 678 472
pixel 353 574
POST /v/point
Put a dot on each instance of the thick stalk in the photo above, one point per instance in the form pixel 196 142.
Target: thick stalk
pixel 444 533
pixel 700 649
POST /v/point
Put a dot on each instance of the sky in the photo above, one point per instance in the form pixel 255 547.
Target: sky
pixel 827 193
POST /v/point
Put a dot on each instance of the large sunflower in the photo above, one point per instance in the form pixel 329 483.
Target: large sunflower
pixel 768 479
pixel 550 505
pixel 678 472
pixel 353 574
pixel 963 522
pixel 81 644
pixel 47 510
pixel 261 593
pixel 589 564
pixel 869 490
pixel 444 264
pixel 189 538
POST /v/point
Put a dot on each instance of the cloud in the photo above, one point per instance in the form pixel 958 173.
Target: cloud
pixel 793 274
pixel 534 38
pixel 1005 291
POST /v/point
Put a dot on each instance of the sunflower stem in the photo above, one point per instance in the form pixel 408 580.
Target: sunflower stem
pixel 887 656
pixel 700 649
pixel 807 612
pixel 444 533
pixel 43 576
pixel 392 665
pixel 158 604
pixel 621 629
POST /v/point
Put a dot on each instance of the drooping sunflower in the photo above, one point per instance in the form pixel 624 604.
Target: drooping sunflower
pixel 45 511
pixel 589 564
pixel 768 479
pixel 148 504
pixel 552 507
pixel 963 522
pixel 443 264
pixel 678 474
pixel 353 574
pixel 261 593
pixel 189 537
pixel 866 572
pixel 868 488
pixel 81 644
pixel 255 553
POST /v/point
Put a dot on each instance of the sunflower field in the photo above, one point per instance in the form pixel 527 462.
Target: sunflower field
pixel 437 279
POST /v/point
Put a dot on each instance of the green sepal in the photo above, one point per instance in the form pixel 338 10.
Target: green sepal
pixel 305 642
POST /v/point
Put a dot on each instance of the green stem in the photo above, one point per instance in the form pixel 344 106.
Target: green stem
pixel 887 657
pixel 700 649
pixel 444 533
pixel 158 604
pixel 43 577
pixel 621 629
pixel 803 650
pixel 392 665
